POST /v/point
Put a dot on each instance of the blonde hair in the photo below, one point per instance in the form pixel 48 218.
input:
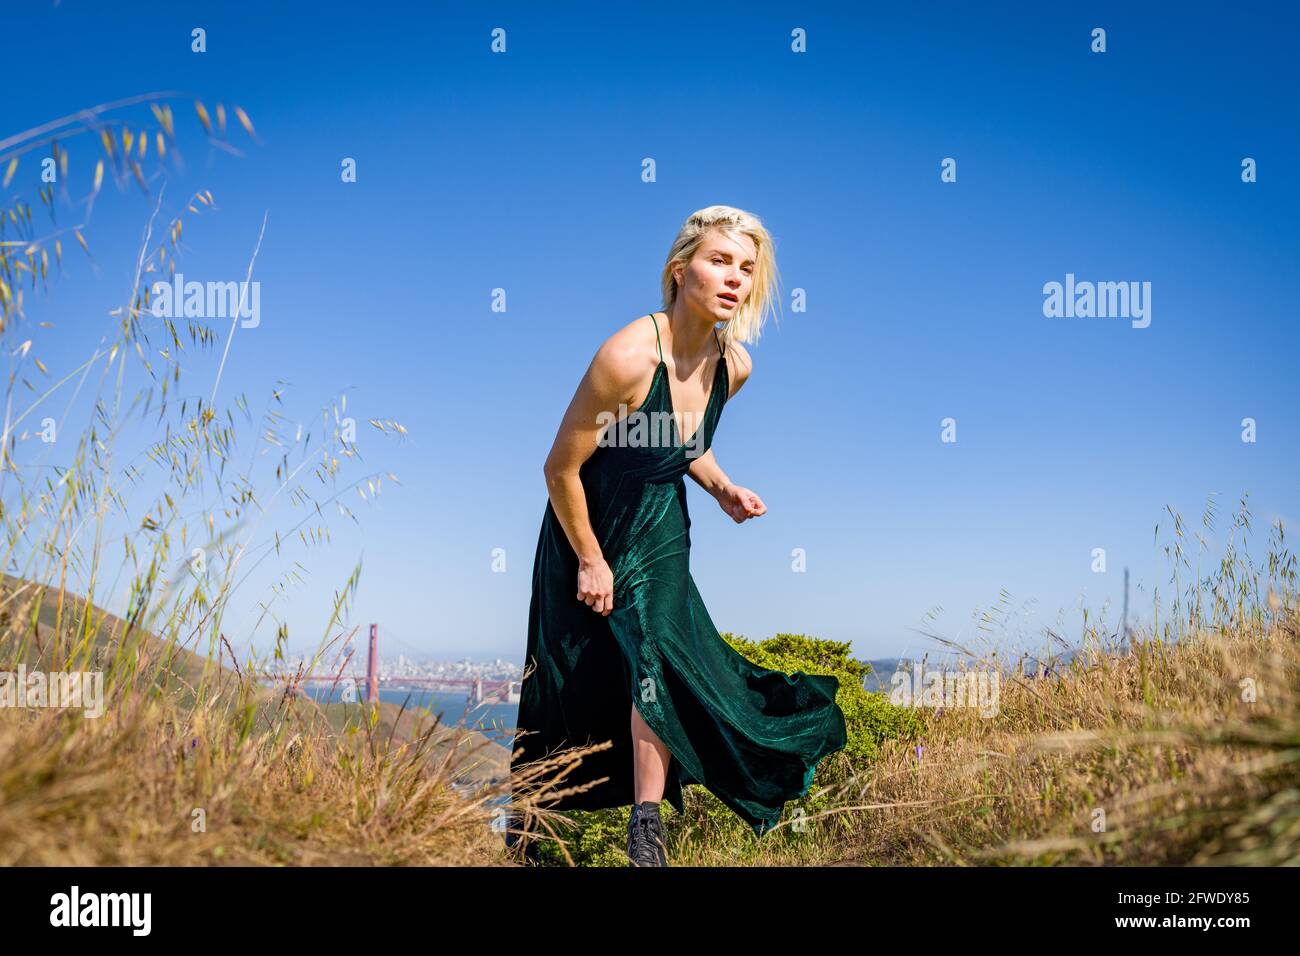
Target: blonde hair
pixel 747 322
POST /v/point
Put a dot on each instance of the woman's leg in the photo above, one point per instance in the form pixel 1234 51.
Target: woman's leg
pixel 649 761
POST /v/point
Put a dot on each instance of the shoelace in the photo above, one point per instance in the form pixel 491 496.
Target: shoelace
pixel 646 841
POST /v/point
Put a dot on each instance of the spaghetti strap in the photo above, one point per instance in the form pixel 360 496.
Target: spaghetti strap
pixel 721 350
pixel 657 341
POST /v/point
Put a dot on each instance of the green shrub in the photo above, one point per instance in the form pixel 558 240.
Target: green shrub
pixel 599 839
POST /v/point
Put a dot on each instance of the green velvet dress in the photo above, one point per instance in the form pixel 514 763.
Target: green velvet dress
pixel 751 736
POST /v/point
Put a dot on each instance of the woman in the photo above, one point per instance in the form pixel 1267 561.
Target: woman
pixel 620 645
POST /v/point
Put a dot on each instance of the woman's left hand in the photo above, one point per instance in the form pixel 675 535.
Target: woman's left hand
pixel 741 503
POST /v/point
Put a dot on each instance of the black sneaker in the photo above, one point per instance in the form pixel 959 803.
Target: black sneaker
pixel 645 836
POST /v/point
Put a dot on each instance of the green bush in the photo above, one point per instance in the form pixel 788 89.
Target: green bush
pixel 599 839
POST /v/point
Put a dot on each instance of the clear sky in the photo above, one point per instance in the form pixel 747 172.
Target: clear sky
pixel 522 171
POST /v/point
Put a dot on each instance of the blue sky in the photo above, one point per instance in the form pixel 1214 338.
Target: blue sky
pixel 522 171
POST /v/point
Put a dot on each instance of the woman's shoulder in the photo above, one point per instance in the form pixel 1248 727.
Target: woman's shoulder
pixel 628 354
pixel 739 365
pixel 634 343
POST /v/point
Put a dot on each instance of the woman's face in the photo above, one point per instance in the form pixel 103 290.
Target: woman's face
pixel 719 276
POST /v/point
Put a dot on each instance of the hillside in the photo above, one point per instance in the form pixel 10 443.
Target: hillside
pixel 28 616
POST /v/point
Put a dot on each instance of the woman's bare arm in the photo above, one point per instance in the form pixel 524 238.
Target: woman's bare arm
pixel 740 503
pixel 708 474
pixel 617 370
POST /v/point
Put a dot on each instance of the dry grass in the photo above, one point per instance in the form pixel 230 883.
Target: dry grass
pixel 1152 754
pixel 192 764
pixel 1160 741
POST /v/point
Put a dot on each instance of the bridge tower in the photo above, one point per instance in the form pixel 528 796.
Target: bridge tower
pixel 372 667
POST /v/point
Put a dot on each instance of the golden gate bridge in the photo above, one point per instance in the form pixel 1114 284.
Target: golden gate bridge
pixel 478 689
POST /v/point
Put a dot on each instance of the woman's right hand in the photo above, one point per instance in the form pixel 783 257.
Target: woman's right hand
pixel 596 585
